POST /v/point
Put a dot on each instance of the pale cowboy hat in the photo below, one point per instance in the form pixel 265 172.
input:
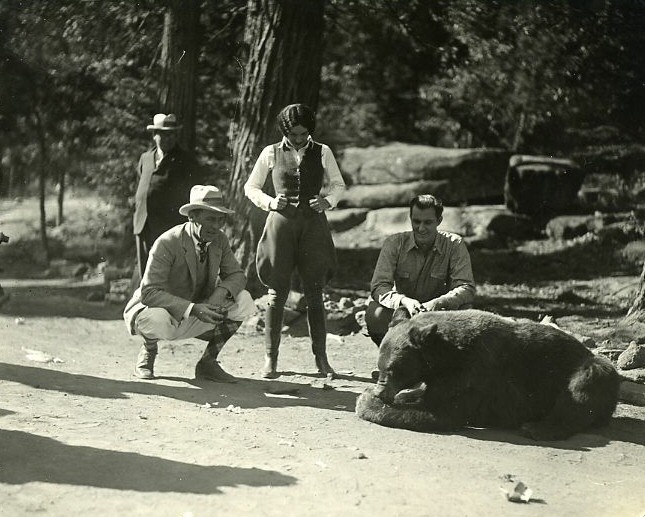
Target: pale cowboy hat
pixel 163 122
pixel 205 197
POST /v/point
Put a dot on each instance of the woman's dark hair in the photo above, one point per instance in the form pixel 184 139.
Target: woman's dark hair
pixel 424 201
pixel 296 115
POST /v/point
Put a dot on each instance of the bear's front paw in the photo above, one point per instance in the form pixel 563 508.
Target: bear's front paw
pixel 411 396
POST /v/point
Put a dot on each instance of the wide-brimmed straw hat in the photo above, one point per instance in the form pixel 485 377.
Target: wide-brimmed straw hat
pixel 163 122
pixel 205 197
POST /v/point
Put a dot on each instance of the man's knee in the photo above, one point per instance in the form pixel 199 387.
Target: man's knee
pixel 155 323
pixel 243 308
pixel 377 320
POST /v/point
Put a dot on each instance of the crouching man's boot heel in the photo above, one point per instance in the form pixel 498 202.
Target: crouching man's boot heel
pixel 207 367
pixel 145 366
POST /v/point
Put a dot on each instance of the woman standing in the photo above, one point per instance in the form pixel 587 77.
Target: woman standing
pixel 296 233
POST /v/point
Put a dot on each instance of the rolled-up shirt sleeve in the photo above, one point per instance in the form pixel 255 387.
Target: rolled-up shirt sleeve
pixel 334 177
pixel 382 286
pixel 461 283
pixel 253 186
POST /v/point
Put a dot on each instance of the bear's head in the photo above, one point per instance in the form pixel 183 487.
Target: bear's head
pixel 413 351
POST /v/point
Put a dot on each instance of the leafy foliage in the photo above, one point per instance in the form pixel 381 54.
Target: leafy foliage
pixel 532 76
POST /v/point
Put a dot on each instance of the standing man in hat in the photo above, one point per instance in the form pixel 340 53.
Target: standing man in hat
pixel 166 172
pixel 192 287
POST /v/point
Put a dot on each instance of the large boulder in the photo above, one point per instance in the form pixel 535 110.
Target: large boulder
pixel 390 175
pixel 569 226
pixel 341 220
pixel 401 163
pixel 469 221
pixel 389 194
pixel 541 186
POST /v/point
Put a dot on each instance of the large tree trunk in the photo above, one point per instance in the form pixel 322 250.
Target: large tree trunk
pixel 60 198
pixel 179 55
pixel 632 326
pixel 42 181
pixel 637 310
pixel 283 67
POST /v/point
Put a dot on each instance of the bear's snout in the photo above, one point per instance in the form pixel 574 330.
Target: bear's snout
pixel 382 391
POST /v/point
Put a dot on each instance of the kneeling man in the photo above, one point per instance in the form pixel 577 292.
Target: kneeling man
pixel 421 270
pixel 192 287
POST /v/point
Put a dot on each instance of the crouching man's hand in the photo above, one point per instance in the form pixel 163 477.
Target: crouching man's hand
pixel 208 312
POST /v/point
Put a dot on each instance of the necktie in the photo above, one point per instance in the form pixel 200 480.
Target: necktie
pixel 203 251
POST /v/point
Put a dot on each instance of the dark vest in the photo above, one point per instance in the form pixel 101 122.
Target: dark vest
pixel 298 183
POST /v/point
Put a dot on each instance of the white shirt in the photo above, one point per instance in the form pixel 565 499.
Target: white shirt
pixel 266 161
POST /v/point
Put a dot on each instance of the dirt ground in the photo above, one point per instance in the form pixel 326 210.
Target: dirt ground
pixel 80 435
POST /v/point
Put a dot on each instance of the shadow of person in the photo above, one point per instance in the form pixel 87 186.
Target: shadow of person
pixel 339 376
pixel 29 457
pixel 247 393
pixel 255 393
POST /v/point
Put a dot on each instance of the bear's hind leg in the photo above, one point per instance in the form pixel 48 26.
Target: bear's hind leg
pixel 590 399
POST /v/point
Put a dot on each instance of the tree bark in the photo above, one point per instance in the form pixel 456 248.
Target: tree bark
pixel 60 198
pixel 637 310
pixel 284 39
pixel 42 179
pixel 179 55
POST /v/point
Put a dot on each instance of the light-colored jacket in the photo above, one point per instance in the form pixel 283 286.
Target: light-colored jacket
pixel 170 278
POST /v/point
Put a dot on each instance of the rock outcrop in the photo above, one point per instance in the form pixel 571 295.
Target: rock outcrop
pixel 541 187
pixel 390 175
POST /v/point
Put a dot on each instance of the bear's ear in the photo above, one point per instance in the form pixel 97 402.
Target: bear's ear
pixel 400 315
pixel 419 335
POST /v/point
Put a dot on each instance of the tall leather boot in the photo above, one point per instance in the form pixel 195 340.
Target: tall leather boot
pixel 318 333
pixel 208 367
pixel 144 369
pixel 272 335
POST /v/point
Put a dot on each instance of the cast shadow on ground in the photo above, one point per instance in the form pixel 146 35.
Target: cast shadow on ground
pixel 59 301
pixel 339 376
pixel 533 308
pixel 29 458
pixel 619 429
pixel 247 393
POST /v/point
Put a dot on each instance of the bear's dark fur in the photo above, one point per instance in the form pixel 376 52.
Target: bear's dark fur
pixel 441 371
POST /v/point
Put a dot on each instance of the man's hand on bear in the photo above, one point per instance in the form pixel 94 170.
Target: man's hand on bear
pixel 413 306
pixel 434 305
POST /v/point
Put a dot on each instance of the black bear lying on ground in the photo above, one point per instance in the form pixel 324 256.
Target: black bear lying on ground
pixel 441 371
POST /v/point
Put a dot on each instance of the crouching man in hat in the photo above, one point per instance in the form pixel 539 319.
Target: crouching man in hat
pixel 192 287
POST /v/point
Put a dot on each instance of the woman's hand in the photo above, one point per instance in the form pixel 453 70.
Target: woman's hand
pixel 319 204
pixel 278 203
